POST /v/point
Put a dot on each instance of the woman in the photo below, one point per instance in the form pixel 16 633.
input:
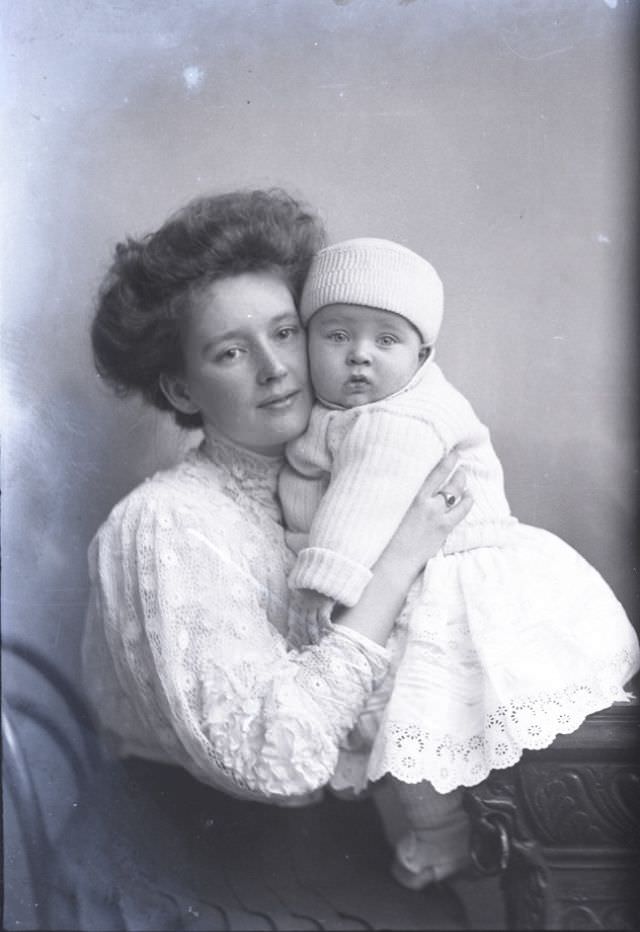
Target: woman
pixel 185 658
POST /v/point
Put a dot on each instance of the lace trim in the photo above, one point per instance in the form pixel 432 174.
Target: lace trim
pixel 284 740
pixel 412 754
pixel 244 476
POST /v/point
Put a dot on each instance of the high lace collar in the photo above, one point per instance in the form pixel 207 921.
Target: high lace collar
pixel 246 473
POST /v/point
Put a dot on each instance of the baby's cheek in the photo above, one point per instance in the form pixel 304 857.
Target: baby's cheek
pixel 325 377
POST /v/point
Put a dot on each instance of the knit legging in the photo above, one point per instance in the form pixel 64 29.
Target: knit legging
pixel 425 827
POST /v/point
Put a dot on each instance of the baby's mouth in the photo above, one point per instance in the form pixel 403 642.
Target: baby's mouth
pixel 358 380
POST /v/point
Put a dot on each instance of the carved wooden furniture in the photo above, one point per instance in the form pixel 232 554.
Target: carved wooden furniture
pixel 139 846
pixel 564 825
pixel 148 847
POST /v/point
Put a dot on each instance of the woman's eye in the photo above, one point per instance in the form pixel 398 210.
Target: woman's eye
pixel 229 355
pixel 285 333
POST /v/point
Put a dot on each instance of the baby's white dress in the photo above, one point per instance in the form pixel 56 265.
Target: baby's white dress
pixel 509 638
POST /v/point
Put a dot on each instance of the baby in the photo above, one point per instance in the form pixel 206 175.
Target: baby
pixel 502 643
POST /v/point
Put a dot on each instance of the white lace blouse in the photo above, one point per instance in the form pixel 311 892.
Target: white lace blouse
pixel 184 654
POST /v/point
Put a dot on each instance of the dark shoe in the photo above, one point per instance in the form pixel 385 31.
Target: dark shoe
pixel 431 873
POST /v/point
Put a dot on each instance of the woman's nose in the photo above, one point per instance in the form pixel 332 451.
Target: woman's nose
pixel 271 366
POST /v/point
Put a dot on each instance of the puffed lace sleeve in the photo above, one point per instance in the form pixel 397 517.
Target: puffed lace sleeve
pixel 205 676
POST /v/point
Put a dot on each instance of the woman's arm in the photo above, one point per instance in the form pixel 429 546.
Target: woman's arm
pixel 182 664
pixel 422 532
pixel 201 679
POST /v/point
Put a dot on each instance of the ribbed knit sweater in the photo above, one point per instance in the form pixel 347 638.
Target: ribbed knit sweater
pixel 352 475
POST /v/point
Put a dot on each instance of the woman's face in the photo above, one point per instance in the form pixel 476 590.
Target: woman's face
pixel 246 362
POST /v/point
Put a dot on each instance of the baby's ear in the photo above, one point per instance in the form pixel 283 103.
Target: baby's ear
pixel 424 352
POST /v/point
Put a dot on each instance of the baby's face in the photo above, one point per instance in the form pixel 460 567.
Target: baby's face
pixel 361 354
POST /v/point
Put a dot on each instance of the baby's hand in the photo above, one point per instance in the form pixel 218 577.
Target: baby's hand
pixel 316 612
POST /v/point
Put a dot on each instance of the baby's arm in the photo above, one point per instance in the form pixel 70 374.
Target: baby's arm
pixel 378 468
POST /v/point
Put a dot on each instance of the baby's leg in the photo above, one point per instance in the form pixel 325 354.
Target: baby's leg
pixel 430 833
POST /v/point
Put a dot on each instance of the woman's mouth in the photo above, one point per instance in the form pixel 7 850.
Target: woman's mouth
pixel 281 401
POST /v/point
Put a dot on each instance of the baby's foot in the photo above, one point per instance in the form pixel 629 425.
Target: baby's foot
pixel 411 869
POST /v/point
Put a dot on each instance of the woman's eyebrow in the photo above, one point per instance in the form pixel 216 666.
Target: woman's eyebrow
pixel 286 315
pixel 216 341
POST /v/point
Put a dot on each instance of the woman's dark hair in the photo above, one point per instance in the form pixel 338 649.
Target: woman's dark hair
pixel 153 281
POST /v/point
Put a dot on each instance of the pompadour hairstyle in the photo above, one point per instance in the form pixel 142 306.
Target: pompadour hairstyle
pixel 153 281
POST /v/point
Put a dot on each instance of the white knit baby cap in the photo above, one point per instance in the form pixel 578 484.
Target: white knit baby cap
pixel 376 273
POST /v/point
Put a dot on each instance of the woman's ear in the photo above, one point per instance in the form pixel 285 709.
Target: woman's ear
pixel 424 352
pixel 177 394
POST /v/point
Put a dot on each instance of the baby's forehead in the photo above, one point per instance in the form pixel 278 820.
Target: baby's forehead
pixel 358 314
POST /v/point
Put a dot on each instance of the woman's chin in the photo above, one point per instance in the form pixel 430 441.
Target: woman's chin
pixel 271 438
pixel 268 429
pixel 288 422
pixel 289 425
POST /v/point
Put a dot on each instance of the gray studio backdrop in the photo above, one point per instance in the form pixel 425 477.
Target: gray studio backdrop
pixel 493 137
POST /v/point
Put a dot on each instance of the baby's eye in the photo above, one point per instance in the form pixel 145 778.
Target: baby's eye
pixel 387 340
pixel 337 336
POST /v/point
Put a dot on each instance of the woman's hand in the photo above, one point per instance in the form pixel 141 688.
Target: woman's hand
pixel 439 506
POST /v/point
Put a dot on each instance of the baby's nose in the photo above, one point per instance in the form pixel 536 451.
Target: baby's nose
pixel 359 354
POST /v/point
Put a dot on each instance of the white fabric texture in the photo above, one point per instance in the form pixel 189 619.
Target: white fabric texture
pixel 511 638
pixel 352 475
pixel 376 273
pixel 184 655
pixel 506 647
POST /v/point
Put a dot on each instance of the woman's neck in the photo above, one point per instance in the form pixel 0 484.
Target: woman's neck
pixel 213 438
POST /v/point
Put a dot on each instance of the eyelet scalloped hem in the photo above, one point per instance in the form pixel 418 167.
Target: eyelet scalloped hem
pixel 411 754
